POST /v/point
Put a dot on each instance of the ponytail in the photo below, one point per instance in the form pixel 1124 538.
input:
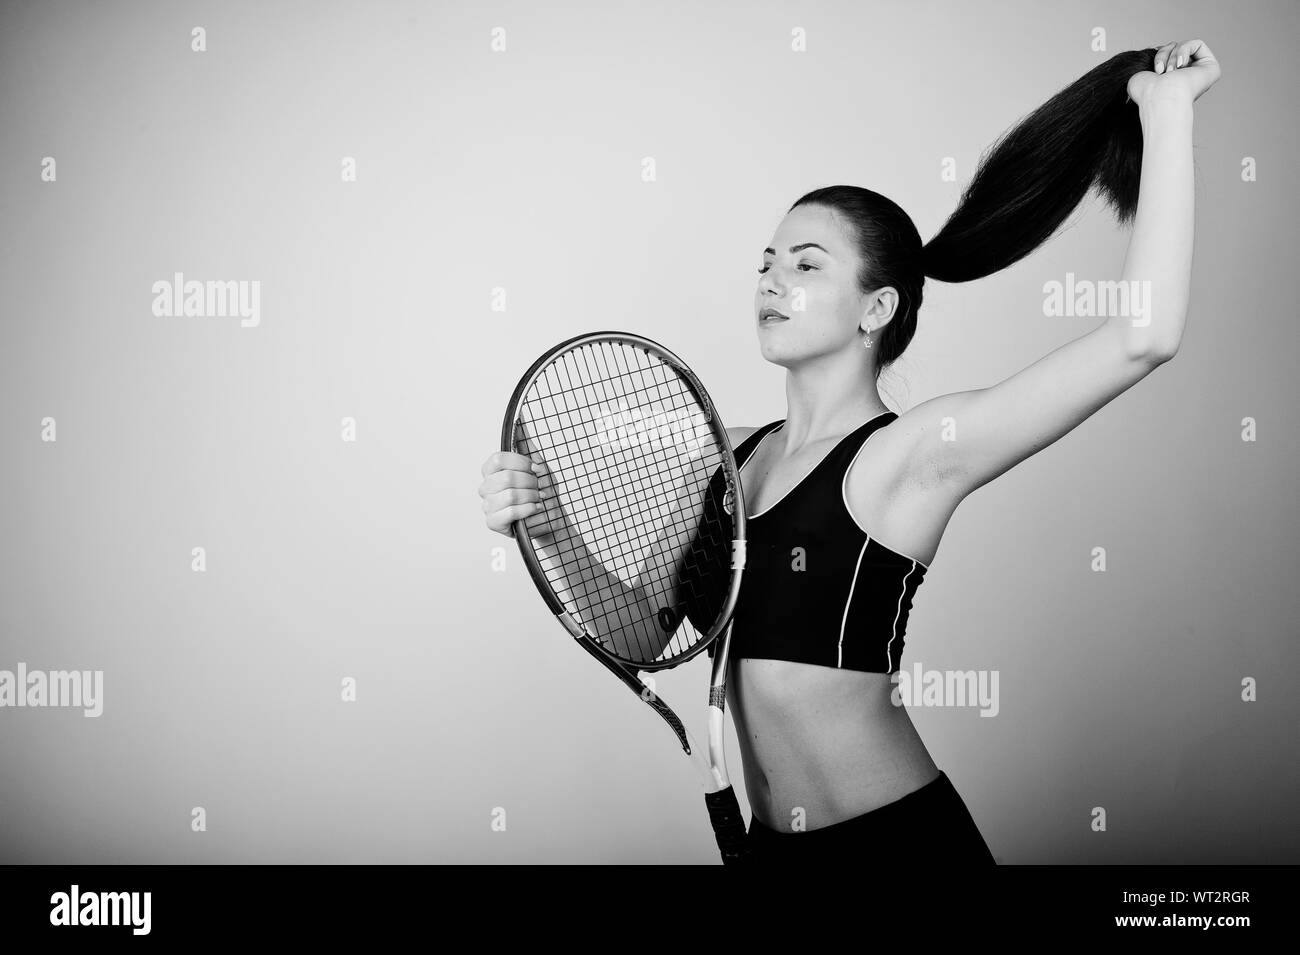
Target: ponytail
pixel 1034 176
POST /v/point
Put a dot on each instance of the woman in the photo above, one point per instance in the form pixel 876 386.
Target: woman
pixel 860 496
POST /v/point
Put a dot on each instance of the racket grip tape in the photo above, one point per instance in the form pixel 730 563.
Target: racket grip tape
pixel 728 826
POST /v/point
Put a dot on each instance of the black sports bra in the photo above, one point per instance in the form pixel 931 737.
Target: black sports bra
pixel 817 588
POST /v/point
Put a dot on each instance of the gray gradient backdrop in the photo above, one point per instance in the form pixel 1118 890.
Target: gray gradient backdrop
pixel 521 170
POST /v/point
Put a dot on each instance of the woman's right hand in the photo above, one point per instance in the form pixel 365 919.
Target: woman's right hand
pixel 512 491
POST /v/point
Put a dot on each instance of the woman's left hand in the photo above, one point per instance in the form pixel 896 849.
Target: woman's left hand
pixel 1187 68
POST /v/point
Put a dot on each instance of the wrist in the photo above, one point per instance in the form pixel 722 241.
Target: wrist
pixel 1158 105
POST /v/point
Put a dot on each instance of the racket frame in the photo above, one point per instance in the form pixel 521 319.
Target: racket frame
pixel 711 765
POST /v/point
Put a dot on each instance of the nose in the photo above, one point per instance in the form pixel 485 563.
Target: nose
pixel 770 283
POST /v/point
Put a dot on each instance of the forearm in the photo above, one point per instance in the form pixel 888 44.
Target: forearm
pixel 1159 256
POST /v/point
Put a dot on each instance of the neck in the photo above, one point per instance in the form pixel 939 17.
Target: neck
pixel 827 397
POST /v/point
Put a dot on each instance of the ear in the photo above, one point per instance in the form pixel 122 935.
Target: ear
pixel 880 309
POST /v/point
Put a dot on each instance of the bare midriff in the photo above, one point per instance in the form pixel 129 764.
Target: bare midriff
pixel 822 744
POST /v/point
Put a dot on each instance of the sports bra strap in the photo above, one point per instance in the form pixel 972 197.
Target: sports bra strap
pixel 745 450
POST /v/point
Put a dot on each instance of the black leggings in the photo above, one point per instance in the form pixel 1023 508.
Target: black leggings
pixel 930 825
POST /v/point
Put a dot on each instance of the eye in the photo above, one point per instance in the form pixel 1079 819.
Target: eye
pixel 801 265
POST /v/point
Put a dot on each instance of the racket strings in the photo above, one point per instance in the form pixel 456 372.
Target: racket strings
pixel 631 456
pixel 668 481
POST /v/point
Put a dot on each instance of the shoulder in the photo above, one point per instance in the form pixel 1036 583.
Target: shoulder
pixel 737 435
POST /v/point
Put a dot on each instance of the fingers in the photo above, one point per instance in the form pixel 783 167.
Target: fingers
pixel 514 488
pixel 506 459
pixel 1162 63
pixel 498 481
pixel 503 521
pixel 1196 52
pixel 494 501
pixel 1184 53
pixel 1176 55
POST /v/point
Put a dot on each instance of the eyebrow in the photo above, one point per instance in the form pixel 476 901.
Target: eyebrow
pixel 798 248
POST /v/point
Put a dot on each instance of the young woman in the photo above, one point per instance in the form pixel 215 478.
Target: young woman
pixel 862 495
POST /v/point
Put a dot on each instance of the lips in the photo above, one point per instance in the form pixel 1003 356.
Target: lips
pixel 772 315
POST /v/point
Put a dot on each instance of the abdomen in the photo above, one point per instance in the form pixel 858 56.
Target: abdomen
pixel 825 741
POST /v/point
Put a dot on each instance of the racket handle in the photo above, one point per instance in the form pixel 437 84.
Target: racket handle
pixel 728 826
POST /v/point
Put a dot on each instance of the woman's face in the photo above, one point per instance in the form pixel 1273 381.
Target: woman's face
pixel 809 275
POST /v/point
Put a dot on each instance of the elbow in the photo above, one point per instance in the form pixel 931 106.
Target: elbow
pixel 1149 357
pixel 1158 355
pixel 1147 349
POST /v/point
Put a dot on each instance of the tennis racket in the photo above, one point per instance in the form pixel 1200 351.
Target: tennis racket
pixel 639 546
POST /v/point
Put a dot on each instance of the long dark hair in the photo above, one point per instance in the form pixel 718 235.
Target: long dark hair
pixel 1025 186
